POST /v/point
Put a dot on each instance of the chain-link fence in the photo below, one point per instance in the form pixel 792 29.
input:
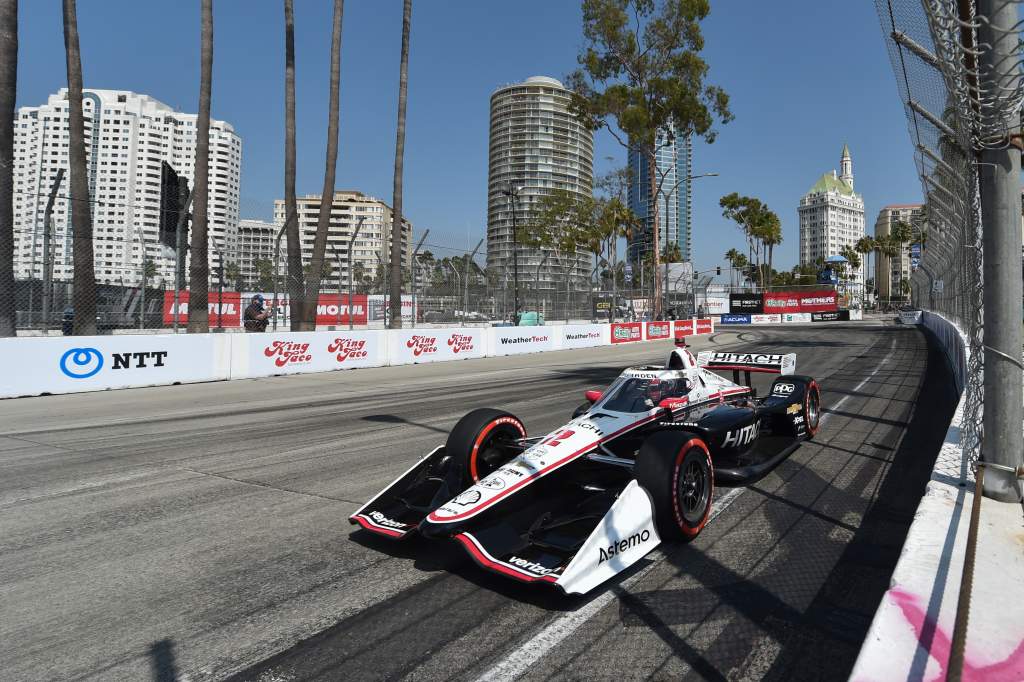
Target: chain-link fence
pixel 954 109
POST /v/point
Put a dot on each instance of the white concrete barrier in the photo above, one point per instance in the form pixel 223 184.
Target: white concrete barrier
pixel 582 335
pixel 73 364
pixel 270 354
pixel 516 340
pixel 408 346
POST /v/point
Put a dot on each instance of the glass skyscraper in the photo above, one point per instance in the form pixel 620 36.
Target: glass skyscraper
pixel 674 165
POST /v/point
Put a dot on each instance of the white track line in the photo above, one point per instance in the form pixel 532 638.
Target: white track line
pixel 531 651
pixel 519 661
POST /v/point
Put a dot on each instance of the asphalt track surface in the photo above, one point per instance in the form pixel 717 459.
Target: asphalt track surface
pixel 199 532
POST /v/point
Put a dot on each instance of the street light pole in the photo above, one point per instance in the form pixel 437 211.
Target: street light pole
pixel 277 260
pixel 465 300
pixel 351 242
pixel 513 193
pixel 689 196
pixel 415 255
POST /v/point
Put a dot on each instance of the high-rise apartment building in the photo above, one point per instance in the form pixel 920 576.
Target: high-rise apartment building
pixel 256 243
pixel 128 136
pixel 673 165
pixel 831 217
pixel 536 145
pixel 371 248
pixel 890 272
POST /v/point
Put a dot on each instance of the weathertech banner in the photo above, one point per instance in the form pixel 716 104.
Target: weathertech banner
pixel 658 330
pixel 516 340
pixel 800 301
pixel 230 313
pixel 626 332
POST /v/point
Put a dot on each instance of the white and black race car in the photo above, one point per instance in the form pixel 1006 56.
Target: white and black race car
pixel 635 465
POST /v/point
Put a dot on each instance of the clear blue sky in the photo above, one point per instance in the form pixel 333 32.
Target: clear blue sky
pixel 804 78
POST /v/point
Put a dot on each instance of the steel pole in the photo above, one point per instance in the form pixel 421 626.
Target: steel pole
pixel 999 183
pixel 142 297
pixel 351 243
pixel 180 245
pixel 277 260
pixel 415 255
pixel 47 251
pixel 337 257
pixel 465 299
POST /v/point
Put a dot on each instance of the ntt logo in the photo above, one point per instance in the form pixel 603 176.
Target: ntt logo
pixel 81 363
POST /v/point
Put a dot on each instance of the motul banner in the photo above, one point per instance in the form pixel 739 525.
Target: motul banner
pixel 626 332
pixel 230 310
pixel 333 309
pixel 658 330
pixel 776 302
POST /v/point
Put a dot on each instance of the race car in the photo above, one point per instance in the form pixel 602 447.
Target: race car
pixel 635 465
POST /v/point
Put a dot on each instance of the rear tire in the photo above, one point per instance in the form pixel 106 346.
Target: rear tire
pixel 812 408
pixel 482 441
pixel 675 469
pixel 582 409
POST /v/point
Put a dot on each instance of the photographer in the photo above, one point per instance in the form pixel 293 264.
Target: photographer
pixel 256 316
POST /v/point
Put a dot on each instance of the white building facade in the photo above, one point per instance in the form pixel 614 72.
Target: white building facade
pixel 831 217
pixel 128 136
pixel 371 248
pixel 538 145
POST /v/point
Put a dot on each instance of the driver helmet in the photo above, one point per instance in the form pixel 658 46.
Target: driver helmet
pixel 655 391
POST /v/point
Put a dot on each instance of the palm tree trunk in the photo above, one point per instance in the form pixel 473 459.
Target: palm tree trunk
pixel 296 279
pixel 327 196
pixel 771 248
pixel 8 93
pixel 396 214
pixel 199 266
pixel 84 296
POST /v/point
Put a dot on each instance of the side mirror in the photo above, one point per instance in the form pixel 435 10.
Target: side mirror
pixel 592 396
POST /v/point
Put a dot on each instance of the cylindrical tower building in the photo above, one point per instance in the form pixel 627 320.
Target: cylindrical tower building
pixel 537 145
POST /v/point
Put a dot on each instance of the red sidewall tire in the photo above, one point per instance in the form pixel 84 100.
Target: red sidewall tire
pixel 467 440
pixel 812 429
pixel 700 449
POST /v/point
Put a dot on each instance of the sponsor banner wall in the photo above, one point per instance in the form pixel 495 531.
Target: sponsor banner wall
pixel 834 316
pixel 799 301
pixel 735 318
pixel 704 325
pixel 657 330
pixel 515 340
pixel 582 335
pixel 626 332
pixel 230 309
pixel 682 328
pixel 407 346
pixel 716 305
pixel 71 364
pixel 746 303
pixel 765 319
pixel 796 317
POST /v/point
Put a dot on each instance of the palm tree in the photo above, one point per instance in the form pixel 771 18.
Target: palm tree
pixel 84 297
pixel 864 246
pixel 396 209
pixel 771 236
pixel 731 256
pixel 323 221
pixel 885 248
pixel 8 92
pixel 296 276
pixel 199 267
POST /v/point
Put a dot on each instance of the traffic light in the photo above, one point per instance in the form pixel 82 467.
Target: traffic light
pixel 718 270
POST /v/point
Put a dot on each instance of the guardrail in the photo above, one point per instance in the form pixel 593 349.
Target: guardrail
pixel 73 364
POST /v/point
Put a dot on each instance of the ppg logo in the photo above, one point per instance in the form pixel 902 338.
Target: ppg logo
pixel 81 363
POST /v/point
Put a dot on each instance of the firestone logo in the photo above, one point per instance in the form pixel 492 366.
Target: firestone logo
pixel 460 343
pixel 422 345
pixel 288 353
pixel 348 349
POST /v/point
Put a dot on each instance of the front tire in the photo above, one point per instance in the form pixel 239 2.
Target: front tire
pixel 482 441
pixel 675 469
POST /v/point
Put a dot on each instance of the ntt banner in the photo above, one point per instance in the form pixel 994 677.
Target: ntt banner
pixel 516 340
pixel 434 345
pixel 778 302
pixel 582 335
pixel 73 364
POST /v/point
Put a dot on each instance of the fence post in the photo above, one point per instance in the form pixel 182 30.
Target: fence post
pixel 999 183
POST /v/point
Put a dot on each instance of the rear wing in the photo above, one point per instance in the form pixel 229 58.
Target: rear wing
pixel 772 363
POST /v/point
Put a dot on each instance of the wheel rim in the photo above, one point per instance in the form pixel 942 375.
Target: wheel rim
pixel 493 451
pixel 813 409
pixel 693 492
